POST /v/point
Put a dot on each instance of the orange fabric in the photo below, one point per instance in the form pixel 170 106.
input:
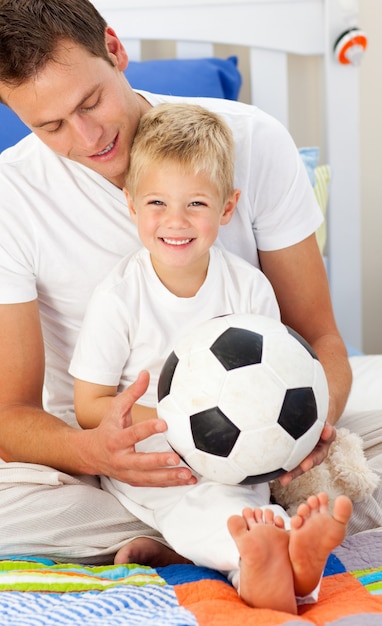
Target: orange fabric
pixel 215 603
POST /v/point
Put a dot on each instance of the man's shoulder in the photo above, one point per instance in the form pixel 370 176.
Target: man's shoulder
pixel 125 269
pixel 20 151
pixel 232 260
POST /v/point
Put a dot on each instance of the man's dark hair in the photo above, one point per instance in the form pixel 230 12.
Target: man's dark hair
pixel 30 31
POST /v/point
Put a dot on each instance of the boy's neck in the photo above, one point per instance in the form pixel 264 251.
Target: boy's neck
pixel 182 282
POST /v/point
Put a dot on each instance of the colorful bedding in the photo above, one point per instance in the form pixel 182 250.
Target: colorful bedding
pixel 40 592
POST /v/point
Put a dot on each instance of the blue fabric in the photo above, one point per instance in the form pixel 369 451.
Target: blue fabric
pixel 179 574
pixel 334 566
pixel 11 128
pixel 310 157
pixel 210 77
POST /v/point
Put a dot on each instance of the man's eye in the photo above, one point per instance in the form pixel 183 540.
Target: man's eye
pixel 91 107
pixel 55 129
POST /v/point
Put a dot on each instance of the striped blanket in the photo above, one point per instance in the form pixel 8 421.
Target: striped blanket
pixel 42 593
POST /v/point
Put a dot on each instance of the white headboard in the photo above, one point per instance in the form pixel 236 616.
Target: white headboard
pixel 272 29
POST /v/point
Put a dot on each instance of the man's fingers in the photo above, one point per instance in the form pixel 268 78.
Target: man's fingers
pixel 316 457
pixel 140 431
pixel 129 396
pixel 161 478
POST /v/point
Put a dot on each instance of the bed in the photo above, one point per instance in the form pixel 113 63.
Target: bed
pixel 265 33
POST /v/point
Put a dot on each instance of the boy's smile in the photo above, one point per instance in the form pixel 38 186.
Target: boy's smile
pixel 178 214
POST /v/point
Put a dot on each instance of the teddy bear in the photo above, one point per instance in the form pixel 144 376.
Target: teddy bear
pixel 344 471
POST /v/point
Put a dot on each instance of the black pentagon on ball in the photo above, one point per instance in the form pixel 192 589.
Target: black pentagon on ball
pixel 166 376
pixel 298 412
pixel 303 342
pixel 213 432
pixel 238 347
pixel 262 478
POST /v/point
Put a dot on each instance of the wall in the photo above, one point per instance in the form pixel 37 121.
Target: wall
pixel 371 174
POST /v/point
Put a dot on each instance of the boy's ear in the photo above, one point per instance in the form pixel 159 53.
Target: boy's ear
pixel 230 206
pixel 130 205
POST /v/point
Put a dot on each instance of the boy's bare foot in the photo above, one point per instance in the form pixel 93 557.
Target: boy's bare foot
pixel 263 542
pixel 314 534
pixel 148 551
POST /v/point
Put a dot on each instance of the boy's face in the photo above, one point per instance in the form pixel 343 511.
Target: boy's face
pixel 178 214
pixel 82 107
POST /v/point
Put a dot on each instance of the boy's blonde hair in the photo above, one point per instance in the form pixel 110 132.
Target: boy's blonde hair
pixel 189 135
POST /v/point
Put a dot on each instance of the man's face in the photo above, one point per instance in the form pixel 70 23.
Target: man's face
pixel 82 107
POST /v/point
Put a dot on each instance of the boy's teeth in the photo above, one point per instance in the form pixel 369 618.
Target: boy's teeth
pixel 176 242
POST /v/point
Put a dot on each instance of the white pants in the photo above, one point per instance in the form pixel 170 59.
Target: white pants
pixel 44 512
pixel 193 519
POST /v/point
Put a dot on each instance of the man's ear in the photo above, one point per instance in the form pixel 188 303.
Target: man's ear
pixel 230 206
pixel 116 50
pixel 130 205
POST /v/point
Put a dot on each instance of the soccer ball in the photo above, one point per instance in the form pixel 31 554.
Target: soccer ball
pixel 244 397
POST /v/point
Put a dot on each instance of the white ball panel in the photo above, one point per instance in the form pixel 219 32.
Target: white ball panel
pixel 178 432
pixel 252 396
pixel 197 382
pixel 215 467
pixel 201 337
pixel 291 362
pixel 262 451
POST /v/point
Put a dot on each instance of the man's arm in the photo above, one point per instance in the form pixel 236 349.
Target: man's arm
pixel 29 434
pixel 299 279
pixel 300 282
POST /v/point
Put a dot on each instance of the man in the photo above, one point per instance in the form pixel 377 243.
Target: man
pixel 63 225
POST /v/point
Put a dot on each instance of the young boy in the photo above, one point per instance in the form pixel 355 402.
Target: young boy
pixel 180 190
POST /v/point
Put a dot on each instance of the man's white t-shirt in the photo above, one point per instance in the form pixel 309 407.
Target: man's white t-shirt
pixel 63 226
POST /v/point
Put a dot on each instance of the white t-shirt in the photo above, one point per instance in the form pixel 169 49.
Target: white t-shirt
pixel 132 321
pixel 63 226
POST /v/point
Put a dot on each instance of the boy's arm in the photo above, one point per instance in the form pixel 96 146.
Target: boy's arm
pixel 92 402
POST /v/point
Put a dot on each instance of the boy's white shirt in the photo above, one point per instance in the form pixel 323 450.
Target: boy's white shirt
pixel 133 322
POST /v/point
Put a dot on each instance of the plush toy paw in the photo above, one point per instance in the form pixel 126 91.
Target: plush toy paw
pixel 344 471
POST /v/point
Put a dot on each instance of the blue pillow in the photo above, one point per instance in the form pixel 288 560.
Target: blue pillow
pixel 212 77
pixel 11 128
pixel 209 77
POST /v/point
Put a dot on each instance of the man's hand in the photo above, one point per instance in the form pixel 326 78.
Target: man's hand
pixel 112 445
pixel 319 453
